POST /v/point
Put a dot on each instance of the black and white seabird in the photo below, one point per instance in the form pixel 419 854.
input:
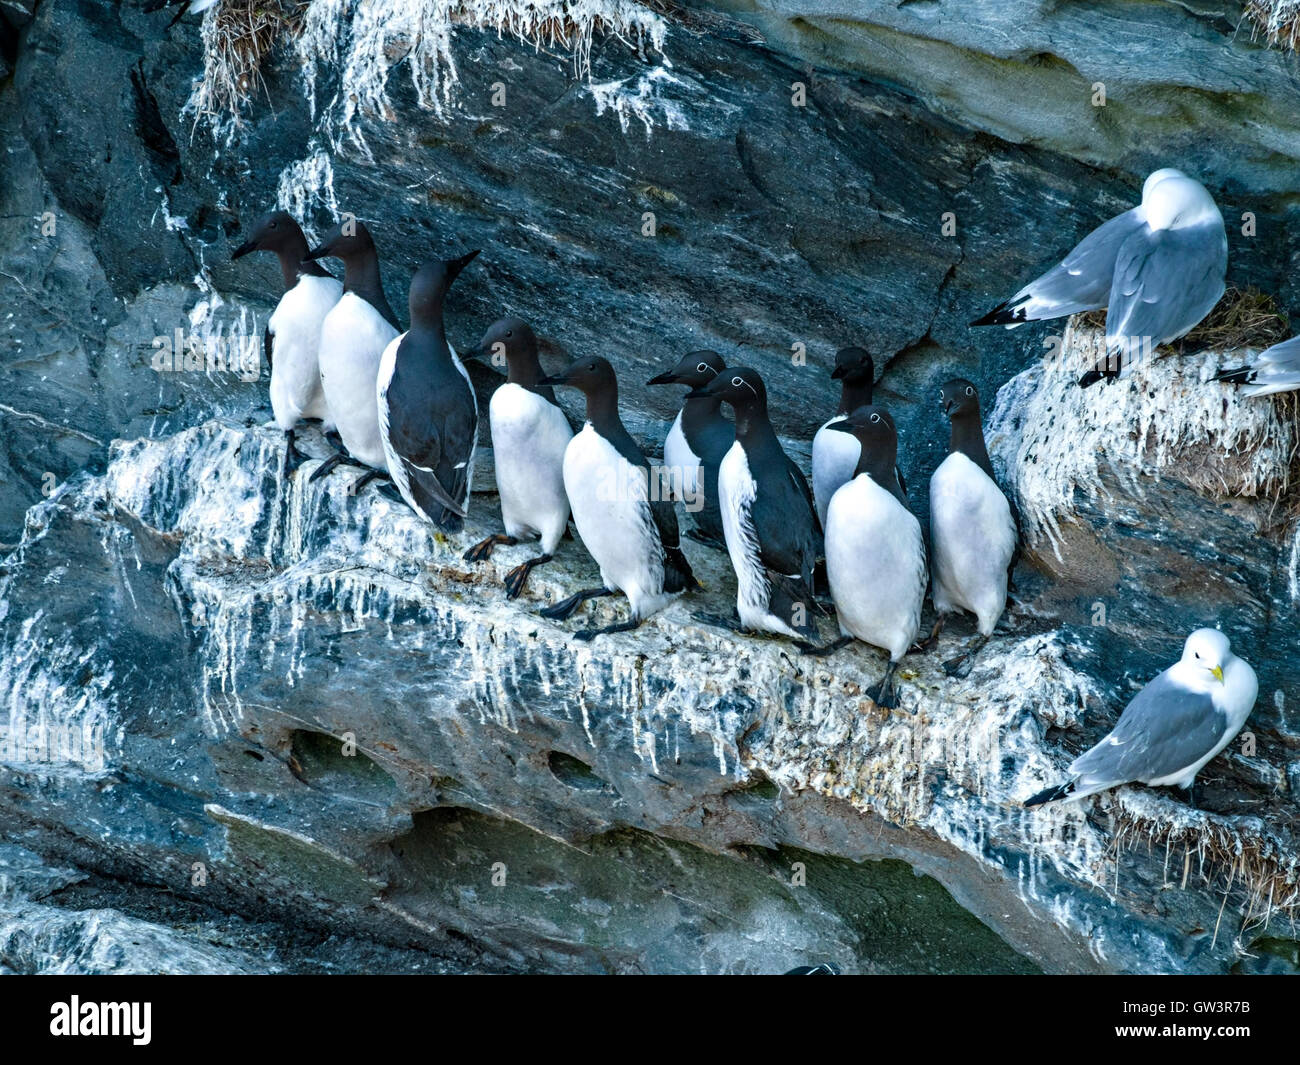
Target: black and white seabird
pixel 973 533
pixel 835 455
pixel 1173 726
pixel 530 433
pixel 353 338
pixel 631 534
pixel 875 553
pixel 292 338
pixel 428 413
pixel 768 516
pixel 1158 269
pixel 697 442
pixel 1275 369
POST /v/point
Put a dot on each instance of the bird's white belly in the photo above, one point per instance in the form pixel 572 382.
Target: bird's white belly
pixel 529 439
pixel 683 465
pixel 736 492
pixel 972 537
pixel 295 342
pixel 353 339
pixel 875 562
pixel 609 498
pixel 834 458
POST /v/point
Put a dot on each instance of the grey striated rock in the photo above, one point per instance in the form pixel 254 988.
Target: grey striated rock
pixel 1185 84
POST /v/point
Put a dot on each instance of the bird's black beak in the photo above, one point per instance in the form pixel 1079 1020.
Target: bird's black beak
pixel 838 372
pixel 948 404
pixel 243 250
pixel 554 380
pixel 669 378
pixel 323 252
pixel 844 426
pixel 455 266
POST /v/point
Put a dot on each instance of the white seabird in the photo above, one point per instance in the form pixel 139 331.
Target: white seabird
pixel 1173 726
pixel 1158 269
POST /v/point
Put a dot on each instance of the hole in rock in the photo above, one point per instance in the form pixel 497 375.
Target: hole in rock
pixel 326 762
pixel 576 774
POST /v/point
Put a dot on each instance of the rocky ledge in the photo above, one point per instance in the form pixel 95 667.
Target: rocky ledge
pixel 288 699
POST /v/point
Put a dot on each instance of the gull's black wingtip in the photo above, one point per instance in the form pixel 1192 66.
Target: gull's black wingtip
pixel 1090 378
pixel 1059 791
pixel 1002 314
pixel 1236 375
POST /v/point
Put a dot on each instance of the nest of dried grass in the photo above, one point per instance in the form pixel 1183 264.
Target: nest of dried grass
pixel 1255 870
pixel 1244 317
pixel 237 37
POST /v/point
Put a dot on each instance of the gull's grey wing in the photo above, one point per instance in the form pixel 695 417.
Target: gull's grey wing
pixel 1277 369
pixel 1166 281
pixel 1165 729
pixel 1080 282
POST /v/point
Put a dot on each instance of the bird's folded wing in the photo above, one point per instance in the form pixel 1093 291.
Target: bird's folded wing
pixel 417 443
pixel 785 524
pixel 1165 729
pixel 1165 282
pixel 1082 280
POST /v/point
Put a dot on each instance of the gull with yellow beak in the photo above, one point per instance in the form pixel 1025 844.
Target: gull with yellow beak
pixel 1173 726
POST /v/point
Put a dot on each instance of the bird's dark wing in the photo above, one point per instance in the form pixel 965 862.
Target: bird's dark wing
pixel 417 439
pixel 785 522
pixel 268 342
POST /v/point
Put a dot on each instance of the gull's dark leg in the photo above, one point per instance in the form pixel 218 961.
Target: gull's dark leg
pixel 587 635
pixel 825 649
pixel 366 478
pixel 959 667
pixel 326 467
pixel 518 577
pixel 885 694
pixel 933 638
pixel 565 607
pixel 293 458
pixel 482 550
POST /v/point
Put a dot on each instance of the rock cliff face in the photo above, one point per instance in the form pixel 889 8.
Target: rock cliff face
pixel 290 718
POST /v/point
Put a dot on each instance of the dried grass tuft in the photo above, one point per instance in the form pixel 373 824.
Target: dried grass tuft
pixel 1277 20
pixel 237 37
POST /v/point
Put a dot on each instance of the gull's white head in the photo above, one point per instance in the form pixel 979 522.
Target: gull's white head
pixel 1205 656
pixel 1172 200
pixel 1156 177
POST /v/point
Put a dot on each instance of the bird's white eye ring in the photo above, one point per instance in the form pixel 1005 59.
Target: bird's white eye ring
pixel 737 381
pixel 970 391
pixel 701 367
pixel 875 417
